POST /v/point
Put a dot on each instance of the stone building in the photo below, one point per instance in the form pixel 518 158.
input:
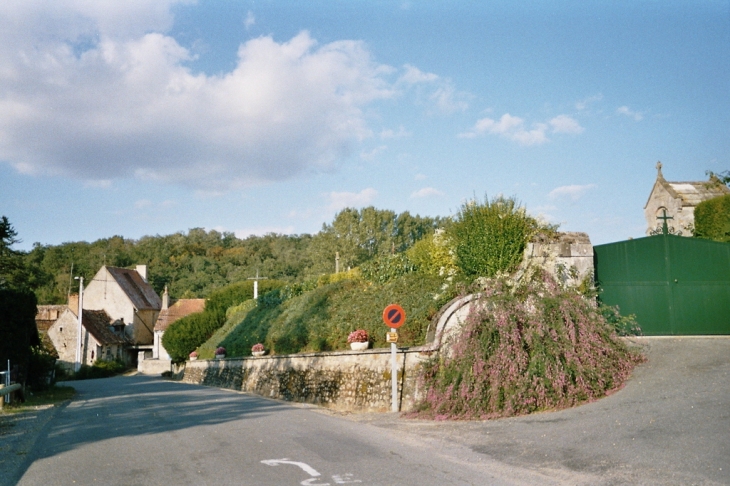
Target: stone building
pixel 127 299
pixel 46 316
pixel 99 338
pixel 170 314
pixel 677 201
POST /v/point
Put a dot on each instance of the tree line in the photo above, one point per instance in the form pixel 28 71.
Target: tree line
pixel 197 262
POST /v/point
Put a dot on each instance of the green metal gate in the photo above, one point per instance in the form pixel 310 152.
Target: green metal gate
pixel 674 285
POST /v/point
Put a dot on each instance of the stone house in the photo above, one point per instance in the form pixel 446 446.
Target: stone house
pixel 128 300
pixel 100 339
pixel 170 314
pixel 678 200
pixel 46 316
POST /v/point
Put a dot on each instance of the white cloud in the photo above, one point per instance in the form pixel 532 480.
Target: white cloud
pixel 510 127
pixel 625 110
pixel 436 90
pixel 426 192
pixel 389 133
pixel 413 75
pixel 572 192
pixel 98 91
pixel 250 20
pixel 565 124
pixel 142 204
pixel 514 128
pixel 365 155
pixel 583 104
pixel 420 177
pixel 341 200
pixel 448 100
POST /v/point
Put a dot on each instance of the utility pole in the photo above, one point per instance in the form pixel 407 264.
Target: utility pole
pixel 79 356
pixel 256 284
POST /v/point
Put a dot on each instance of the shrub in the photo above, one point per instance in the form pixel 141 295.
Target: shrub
pixel 41 367
pixel 434 255
pixel 712 219
pixel 387 267
pixel 220 350
pixel 490 237
pixel 257 348
pixel 186 334
pixel 100 369
pixel 524 348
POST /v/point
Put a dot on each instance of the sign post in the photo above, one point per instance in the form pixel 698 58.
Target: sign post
pixel 394 317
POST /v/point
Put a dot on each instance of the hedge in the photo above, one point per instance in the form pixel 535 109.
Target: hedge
pixel 712 219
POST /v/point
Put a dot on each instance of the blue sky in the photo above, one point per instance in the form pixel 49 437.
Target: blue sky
pixel 151 117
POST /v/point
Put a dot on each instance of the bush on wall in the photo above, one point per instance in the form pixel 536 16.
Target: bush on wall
pixel 712 219
pixel 526 347
pixel 490 237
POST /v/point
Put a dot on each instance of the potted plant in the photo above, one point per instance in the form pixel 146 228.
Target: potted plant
pixel 220 353
pixel 359 340
pixel 193 356
pixel 258 349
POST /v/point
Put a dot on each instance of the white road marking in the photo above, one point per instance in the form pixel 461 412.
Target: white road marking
pixel 305 467
pixel 308 482
pixel 345 479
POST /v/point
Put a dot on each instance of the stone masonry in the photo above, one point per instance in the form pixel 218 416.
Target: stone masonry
pixel 341 380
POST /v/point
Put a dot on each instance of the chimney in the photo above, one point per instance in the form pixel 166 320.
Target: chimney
pixel 165 299
pixel 73 303
pixel 142 271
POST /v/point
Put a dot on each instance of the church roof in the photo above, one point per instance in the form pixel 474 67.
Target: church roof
pixel 142 295
pixel 178 310
pixel 691 193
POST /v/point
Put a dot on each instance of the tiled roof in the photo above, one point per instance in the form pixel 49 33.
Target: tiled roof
pixel 178 310
pixel 97 322
pixel 693 193
pixel 142 295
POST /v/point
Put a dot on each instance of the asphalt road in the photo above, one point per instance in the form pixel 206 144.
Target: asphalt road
pixel 669 425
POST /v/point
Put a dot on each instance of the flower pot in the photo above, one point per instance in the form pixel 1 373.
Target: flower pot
pixel 359 346
pixel 220 356
pixel 193 358
pixel 258 353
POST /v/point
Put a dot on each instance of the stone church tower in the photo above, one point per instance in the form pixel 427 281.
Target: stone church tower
pixel 677 201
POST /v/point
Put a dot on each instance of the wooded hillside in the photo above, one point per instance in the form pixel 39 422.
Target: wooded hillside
pixel 195 263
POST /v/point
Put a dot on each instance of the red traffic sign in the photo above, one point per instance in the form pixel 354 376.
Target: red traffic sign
pixel 394 316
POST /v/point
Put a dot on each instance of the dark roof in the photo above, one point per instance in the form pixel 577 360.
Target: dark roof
pixel 97 322
pixel 178 310
pixel 142 295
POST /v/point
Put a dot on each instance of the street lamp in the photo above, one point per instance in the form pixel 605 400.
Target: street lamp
pixel 77 364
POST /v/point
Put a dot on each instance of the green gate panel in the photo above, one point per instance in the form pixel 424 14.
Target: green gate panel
pixel 649 303
pixel 674 285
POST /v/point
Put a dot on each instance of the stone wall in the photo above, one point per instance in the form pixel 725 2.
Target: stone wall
pixel 341 380
pixel 569 258
pixel 361 380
